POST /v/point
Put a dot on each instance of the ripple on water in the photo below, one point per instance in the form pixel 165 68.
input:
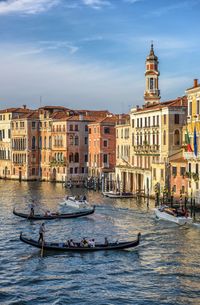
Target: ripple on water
pixel 164 269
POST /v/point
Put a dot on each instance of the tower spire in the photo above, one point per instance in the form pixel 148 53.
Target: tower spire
pixel 152 92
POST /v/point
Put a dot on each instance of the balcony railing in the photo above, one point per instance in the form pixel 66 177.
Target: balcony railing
pixel 147 148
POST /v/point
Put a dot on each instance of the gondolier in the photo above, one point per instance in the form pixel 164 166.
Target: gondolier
pixel 41 233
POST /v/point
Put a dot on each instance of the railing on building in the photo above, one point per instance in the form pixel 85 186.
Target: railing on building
pixel 146 148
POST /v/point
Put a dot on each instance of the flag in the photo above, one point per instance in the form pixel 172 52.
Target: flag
pixel 187 140
pixel 195 141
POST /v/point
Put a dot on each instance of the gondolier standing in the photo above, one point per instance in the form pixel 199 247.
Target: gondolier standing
pixel 41 233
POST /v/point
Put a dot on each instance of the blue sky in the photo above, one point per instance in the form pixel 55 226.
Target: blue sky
pixel 91 53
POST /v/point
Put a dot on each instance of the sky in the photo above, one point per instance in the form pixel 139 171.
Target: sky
pixel 90 54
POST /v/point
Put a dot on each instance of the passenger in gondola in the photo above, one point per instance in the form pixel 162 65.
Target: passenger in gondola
pixel 84 198
pixel 32 212
pixel 41 233
pixel 71 243
pixel 91 243
pixel 84 242
pixel 48 213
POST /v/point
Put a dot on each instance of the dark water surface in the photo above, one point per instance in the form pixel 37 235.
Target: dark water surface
pixel 164 269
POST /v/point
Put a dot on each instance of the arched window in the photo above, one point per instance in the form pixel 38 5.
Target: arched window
pixel 164 137
pixel 157 136
pixel 76 140
pixel 50 144
pixel 176 137
pixel 45 142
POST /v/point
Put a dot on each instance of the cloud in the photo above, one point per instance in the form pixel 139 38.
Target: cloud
pixel 65 82
pixel 26 6
pixel 96 4
pixel 132 1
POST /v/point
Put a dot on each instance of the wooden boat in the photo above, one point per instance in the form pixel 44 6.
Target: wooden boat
pixel 62 247
pixel 74 202
pixel 55 215
pixel 169 215
pixel 119 195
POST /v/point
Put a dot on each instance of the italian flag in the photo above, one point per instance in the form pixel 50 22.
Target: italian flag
pixel 187 138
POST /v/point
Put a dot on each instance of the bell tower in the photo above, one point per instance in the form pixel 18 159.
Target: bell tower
pixel 152 92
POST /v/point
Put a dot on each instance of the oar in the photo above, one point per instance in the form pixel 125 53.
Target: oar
pixel 42 249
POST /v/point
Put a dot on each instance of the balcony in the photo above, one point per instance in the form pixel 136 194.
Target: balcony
pixel 146 148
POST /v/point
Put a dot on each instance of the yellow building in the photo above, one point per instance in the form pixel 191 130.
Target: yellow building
pixel 192 155
pixel 155 136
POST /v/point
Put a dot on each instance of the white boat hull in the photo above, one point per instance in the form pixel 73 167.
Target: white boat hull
pixel 178 220
pixel 72 202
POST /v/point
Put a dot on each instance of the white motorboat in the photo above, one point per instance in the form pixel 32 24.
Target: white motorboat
pixel 113 194
pixel 170 214
pixel 74 202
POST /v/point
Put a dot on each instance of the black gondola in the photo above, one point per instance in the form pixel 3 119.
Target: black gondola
pixel 62 247
pixel 55 215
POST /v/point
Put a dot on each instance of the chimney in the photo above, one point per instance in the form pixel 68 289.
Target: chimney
pixel 24 106
pixel 195 82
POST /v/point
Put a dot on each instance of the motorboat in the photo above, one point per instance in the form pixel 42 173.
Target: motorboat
pixel 75 202
pixel 174 215
pixel 113 194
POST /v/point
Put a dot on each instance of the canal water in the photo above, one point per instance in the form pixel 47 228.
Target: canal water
pixel 164 269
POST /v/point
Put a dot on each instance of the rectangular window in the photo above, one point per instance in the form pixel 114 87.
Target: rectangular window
pixel 9 134
pixel 105 143
pixel 33 125
pixel 71 127
pixel 154 173
pixel 76 170
pixel 162 173
pixel 141 122
pixel 71 170
pixel 198 106
pixel 149 121
pixel 176 119
pixel 174 188
pixel 154 121
pixel 86 140
pixel 82 170
pixel 86 127
pixel 132 123
pixel 33 171
pixel 190 108
pixel 182 171
pixel 145 122
pixel 157 120
pixel 138 123
pixel 106 130
pixel 174 171
pixel 165 119
pixel 189 167
pixel 183 189
pixel 86 158
pixel 105 158
pixel 197 168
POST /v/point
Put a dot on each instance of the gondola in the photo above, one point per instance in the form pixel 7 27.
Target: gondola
pixel 62 247
pixel 55 215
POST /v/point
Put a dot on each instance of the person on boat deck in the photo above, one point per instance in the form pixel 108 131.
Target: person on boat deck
pixel 41 233
pixel 106 241
pixel 91 243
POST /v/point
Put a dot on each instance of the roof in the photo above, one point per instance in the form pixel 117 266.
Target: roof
pixel 178 102
pixel 21 110
pixel 30 115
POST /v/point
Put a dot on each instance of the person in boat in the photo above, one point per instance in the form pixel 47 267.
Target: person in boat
pixel 84 242
pixel 41 233
pixel 32 212
pixel 106 241
pixel 91 243
pixel 71 243
pixel 84 198
pixel 48 213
